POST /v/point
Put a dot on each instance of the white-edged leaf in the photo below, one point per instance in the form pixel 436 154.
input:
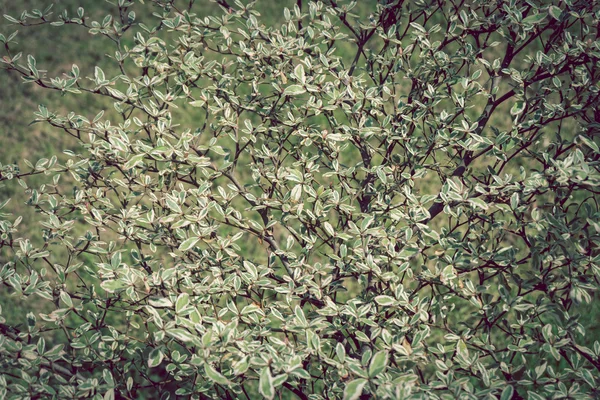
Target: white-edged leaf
pixel 384 300
pixel 507 393
pixel 155 357
pixel 112 286
pixel 181 334
pixel 517 108
pixel 173 205
pixel 555 12
pixel 188 243
pixel 215 376
pixel 476 201
pixel 299 72
pixel 99 75
pixel 182 301
pixel 378 363
pixel 133 161
pixel 294 90
pixel 265 384
pixel 354 389
pixel 300 316
pixel 534 19
pixel 108 378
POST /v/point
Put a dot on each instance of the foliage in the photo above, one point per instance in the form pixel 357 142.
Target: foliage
pixel 416 220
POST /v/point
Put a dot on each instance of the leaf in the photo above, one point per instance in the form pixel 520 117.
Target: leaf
pixel 507 393
pixel 279 380
pixel 340 351
pixel 329 228
pixel 476 201
pixel 108 378
pixel 181 334
pixel 155 357
pixel 461 348
pixel 354 389
pixel 265 384
pixel 182 301
pixel 109 395
pixel 197 103
pixel 173 205
pixel 517 108
pixel 64 296
pixel 241 366
pixel 385 300
pixel 134 161
pixel 514 201
pixel 214 375
pixel 418 27
pixel 534 19
pixel 295 176
pixel 161 302
pixel 188 243
pixel 555 12
pixel 378 363
pixel 294 90
pixel 299 72
pixel 112 286
pixel 99 75
pixel 300 315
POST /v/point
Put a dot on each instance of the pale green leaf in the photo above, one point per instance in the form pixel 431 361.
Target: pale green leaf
pixel 155 357
pixel 181 334
pixel 182 301
pixel 188 243
pixel 354 389
pixel 215 376
pixel 265 384
pixel 378 363
pixel 294 90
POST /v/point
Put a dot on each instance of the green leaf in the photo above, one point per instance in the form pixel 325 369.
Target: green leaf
pixel 299 72
pixel 385 300
pixel 197 103
pixel 300 315
pixel 507 393
pixel 294 90
pixel 279 380
pixel 155 357
pixel 477 201
pixel 514 201
pixel 188 243
pixel 340 351
pixel 173 205
pixel 354 389
pixel 182 301
pixel 517 108
pixel 64 296
pixel 295 175
pixel 378 363
pixel 108 378
pixel 461 348
pixel 112 286
pixel 241 366
pixel 214 375
pixel 99 75
pixel 555 12
pixel 534 19
pixel 134 161
pixel 181 334
pixel 265 384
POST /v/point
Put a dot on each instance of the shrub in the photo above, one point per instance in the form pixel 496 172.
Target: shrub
pixel 395 202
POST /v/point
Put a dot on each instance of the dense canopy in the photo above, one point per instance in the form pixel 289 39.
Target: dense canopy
pixel 393 199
